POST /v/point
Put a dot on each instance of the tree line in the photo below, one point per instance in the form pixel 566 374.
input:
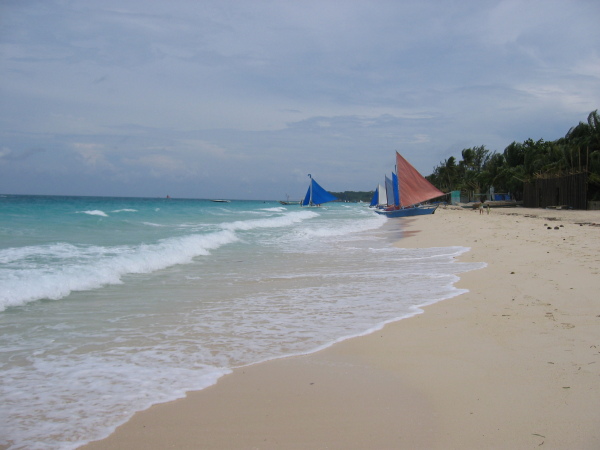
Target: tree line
pixel 354 196
pixel 479 168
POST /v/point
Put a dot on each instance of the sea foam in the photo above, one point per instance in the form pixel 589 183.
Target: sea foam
pixel 30 278
pixel 94 213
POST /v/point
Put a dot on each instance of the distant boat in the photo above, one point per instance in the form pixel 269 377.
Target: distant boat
pixel 316 195
pixel 221 201
pixel 409 189
pixel 288 201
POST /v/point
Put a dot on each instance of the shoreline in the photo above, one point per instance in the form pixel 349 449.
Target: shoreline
pixel 513 363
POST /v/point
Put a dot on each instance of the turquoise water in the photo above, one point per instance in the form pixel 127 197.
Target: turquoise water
pixel 109 305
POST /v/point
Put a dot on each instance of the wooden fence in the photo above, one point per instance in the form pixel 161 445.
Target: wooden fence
pixel 568 190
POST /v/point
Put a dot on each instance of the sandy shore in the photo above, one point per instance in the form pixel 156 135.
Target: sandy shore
pixel 513 364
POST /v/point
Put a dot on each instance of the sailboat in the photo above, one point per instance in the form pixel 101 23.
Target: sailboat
pixel 288 201
pixel 408 190
pixel 316 195
pixel 379 199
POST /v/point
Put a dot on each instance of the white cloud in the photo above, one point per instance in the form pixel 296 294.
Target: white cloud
pixel 178 88
pixel 92 155
pixel 4 153
pixel 160 164
pixel 589 66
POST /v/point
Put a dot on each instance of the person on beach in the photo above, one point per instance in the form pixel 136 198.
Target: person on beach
pixel 488 208
pixel 480 208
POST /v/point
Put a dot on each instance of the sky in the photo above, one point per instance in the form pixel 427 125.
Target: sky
pixel 243 99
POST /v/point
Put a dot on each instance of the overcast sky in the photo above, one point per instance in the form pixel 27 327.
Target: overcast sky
pixel 242 99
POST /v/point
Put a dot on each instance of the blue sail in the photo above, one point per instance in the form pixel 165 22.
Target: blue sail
pixel 316 195
pixel 396 190
pixel 306 200
pixel 375 198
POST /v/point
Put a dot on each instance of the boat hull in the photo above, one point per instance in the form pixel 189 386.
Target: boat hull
pixel 408 212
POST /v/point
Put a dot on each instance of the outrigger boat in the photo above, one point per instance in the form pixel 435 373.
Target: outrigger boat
pixel 288 201
pixel 316 195
pixel 406 192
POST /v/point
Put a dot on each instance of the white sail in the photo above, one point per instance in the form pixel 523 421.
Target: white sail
pixel 382 200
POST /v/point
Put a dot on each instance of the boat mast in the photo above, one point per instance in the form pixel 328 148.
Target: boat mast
pixel 310 202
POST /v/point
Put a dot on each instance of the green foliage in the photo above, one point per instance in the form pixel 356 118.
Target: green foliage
pixel 354 196
pixel 479 169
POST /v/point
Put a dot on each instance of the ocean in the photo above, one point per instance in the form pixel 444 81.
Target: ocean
pixel 110 305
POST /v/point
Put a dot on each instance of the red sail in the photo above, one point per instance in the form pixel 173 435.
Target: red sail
pixel 414 188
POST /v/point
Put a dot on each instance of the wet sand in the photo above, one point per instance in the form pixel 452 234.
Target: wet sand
pixel 512 364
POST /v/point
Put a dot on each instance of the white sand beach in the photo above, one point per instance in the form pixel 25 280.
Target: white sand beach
pixel 512 364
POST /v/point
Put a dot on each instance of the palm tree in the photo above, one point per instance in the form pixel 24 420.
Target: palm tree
pixel 450 172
